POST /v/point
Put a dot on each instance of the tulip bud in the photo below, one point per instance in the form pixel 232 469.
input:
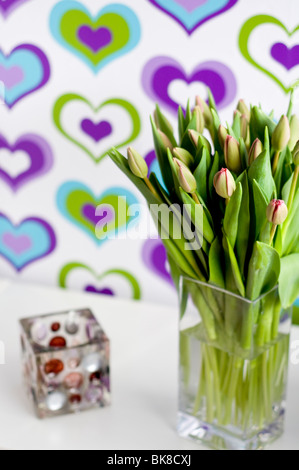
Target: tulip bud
pixel 277 212
pixel 165 140
pixel 208 117
pixel 245 131
pixel 232 154
pixel 242 107
pixel 224 183
pixel 255 151
pixel 194 136
pixel 200 121
pixel 184 156
pixel 186 178
pixel 281 134
pixel 296 154
pixel 137 164
pixel 222 134
pixel 294 126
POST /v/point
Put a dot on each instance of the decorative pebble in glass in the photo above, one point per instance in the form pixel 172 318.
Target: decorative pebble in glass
pixel 65 362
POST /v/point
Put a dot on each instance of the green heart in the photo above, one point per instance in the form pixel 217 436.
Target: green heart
pixel 66 270
pixel 118 26
pixel 245 34
pixel 73 198
pixel 128 107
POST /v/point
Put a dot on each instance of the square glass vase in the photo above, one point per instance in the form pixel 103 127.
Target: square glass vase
pixel 234 357
pixel 65 360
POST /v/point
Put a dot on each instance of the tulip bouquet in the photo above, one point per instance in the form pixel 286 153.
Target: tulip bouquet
pixel 238 185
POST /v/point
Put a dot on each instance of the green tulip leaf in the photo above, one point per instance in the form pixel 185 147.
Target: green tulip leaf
pixel 214 170
pixel 200 175
pixel 231 218
pixel 260 208
pixel 234 266
pixel 261 171
pixel 216 271
pixel 244 223
pixel 263 272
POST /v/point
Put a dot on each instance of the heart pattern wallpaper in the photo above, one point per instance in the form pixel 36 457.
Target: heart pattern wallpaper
pixel 78 77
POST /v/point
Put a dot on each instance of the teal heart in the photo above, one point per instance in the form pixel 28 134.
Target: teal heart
pixel 78 204
pixel 115 31
pixel 26 243
pixel 122 104
pixel 244 39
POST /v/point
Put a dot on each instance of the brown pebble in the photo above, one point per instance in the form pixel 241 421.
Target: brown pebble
pixel 57 342
pixel 75 399
pixel 95 377
pixel 55 327
pixel 55 366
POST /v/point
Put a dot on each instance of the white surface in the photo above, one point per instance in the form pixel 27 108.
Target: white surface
pixel 144 379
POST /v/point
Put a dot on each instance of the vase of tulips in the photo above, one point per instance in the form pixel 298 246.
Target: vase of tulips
pixel 227 212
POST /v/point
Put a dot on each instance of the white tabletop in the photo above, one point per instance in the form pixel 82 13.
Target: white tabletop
pixel 144 379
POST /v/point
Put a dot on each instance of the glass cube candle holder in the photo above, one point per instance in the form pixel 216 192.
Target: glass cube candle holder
pixel 65 362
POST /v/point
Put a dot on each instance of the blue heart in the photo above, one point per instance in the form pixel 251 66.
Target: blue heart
pixel 112 9
pixel 192 19
pixel 22 72
pixel 30 241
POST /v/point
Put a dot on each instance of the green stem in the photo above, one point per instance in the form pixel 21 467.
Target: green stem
pixel 209 388
pixel 275 162
pixel 201 385
pixel 236 368
pixel 293 187
pixel 214 365
pixel 185 357
pixel 272 233
pixel 152 189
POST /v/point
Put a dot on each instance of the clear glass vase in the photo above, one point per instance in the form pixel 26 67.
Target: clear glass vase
pixel 234 357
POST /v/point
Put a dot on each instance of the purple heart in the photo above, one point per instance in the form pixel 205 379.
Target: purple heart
pixel 155 258
pixel 11 76
pixel 160 72
pixel 95 39
pixel 40 155
pixel 104 291
pixel 288 57
pixel 17 244
pixel 96 131
pixel 8 6
pixel 89 212
pixel 190 5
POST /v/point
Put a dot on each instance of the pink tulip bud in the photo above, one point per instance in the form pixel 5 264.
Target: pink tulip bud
pixel 200 120
pixel 224 183
pixel 255 151
pixel 243 109
pixel 232 154
pixel 208 117
pixel 296 154
pixel 165 140
pixel 244 128
pixel 277 212
pixel 281 134
pixel 137 164
pixel 222 134
pixel 186 178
